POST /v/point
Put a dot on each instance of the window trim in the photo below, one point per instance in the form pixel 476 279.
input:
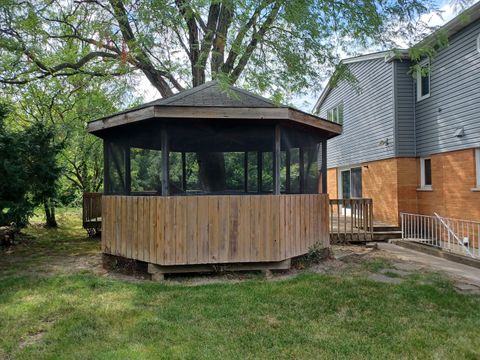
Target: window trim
pixel 419 81
pixel 423 186
pixel 335 111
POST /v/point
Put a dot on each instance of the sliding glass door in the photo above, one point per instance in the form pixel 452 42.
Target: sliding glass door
pixel 351 183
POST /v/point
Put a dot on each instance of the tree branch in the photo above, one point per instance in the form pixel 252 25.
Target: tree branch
pixel 237 43
pixel 198 73
pixel 218 53
pixel 155 76
pixel 258 35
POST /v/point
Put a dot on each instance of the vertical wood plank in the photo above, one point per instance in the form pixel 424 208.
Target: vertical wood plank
pixel 135 227
pixel 223 216
pixel 192 230
pixel 282 228
pixel 169 231
pixel 160 231
pixel 213 228
pixel 152 229
pixel 275 216
pixel 144 212
pixel 234 231
pixel 298 224
pixel 254 230
pixel 104 238
pixel 203 230
pixel 118 224
pixel 180 230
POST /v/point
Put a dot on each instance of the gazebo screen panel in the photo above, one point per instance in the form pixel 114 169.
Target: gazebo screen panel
pixel 134 158
pixel 299 170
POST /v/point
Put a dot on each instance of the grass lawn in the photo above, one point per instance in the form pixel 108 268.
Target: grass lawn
pixel 54 311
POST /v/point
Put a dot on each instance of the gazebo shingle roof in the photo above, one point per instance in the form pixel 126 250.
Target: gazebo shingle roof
pixel 214 101
pixel 212 94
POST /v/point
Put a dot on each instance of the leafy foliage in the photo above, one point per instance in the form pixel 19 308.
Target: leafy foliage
pixel 29 170
pixel 272 46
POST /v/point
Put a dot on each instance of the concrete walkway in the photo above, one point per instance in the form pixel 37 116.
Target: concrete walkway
pixel 453 269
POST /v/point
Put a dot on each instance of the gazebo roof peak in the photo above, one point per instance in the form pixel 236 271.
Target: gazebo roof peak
pixel 213 94
pixel 210 101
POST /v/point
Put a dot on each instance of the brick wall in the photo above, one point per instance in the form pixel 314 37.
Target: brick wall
pixel 393 185
pixel 332 183
pixel 453 177
pixel 379 182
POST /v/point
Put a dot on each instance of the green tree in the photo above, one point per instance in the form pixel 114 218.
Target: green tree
pixel 15 206
pixel 28 171
pixel 65 105
pixel 276 46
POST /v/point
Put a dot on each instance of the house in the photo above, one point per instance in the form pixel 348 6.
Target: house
pixel 410 141
pixel 213 178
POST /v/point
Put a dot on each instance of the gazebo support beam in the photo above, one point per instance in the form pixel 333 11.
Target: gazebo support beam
pixel 184 171
pixel 288 172
pixel 259 171
pixel 165 165
pixel 128 172
pixel 324 166
pixel 302 170
pixel 245 171
pixel 276 161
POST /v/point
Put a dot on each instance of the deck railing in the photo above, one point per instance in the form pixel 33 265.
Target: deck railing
pixel 351 220
pixel 454 235
pixel 92 211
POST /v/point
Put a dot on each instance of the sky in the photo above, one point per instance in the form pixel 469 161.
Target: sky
pixel 306 102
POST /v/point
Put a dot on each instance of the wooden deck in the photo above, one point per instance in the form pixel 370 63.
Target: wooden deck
pixel 187 230
pixel 92 212
pixel 351 220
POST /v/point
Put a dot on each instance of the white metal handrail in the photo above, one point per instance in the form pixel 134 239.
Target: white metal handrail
pixel 458 236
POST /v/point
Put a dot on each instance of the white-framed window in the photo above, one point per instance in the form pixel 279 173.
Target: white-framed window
pixel 423 80
pixel 335 113
pixel 426 173
pixel 477 166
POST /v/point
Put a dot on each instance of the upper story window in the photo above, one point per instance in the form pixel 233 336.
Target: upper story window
pixel 423 80
pixel 335 114
pixel 426 173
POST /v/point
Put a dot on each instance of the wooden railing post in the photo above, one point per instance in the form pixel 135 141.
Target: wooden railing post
pixel 358 226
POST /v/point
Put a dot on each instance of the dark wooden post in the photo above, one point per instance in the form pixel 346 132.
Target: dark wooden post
pixel 259 171
pixel 276 161
pixel 302 170
pixel 245 171
pixel 324 166
pixel 288 172
pixel 106 168
pixel 128 173
pixel 184 172
pixel 165 165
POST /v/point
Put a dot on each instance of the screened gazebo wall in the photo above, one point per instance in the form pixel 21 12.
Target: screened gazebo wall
pixel 195 157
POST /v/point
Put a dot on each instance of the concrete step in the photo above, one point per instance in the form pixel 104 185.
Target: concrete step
pixel 386 235
pixel 383 228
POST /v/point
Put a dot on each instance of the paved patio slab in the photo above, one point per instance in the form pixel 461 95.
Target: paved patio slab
pixel 468 274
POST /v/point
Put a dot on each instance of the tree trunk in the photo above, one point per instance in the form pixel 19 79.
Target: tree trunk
pixel 212 171
pixel 51 221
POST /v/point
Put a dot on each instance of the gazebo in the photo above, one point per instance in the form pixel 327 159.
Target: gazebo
pixel 214 177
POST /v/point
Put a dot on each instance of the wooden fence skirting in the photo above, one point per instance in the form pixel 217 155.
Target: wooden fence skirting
pixel 213 229
pixel 351 219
